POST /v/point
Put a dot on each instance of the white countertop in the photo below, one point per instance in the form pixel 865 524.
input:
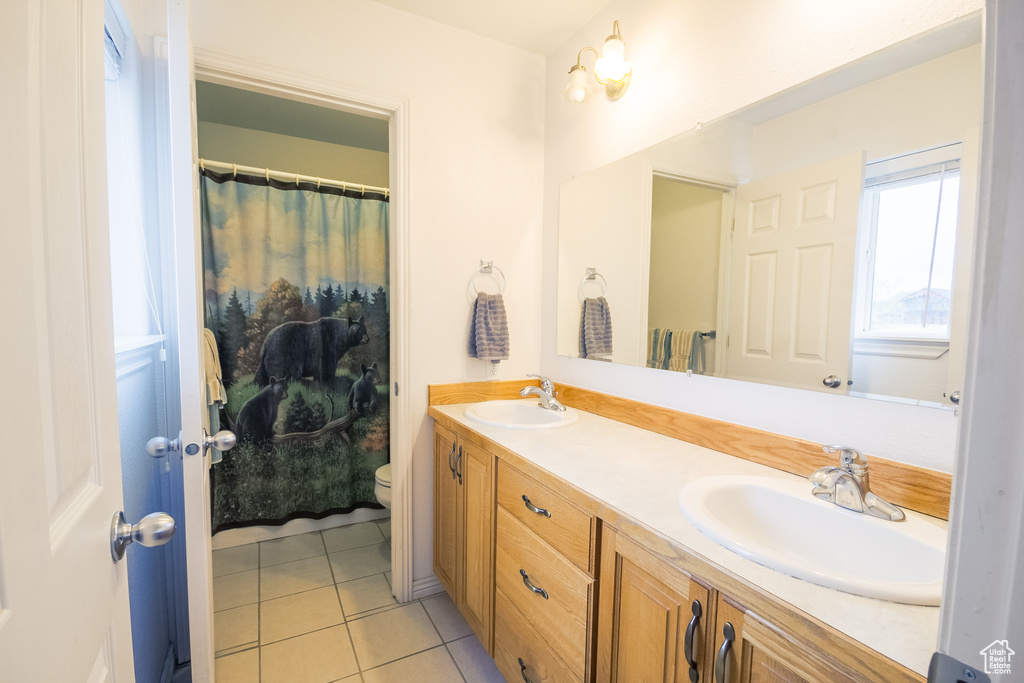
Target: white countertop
pixel 640 473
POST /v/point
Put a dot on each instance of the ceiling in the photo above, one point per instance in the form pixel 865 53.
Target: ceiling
pixel 537 26
pixel 246 109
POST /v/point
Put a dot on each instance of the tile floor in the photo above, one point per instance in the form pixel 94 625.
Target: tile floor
pixel 317 608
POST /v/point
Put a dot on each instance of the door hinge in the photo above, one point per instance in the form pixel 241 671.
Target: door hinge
pixel 396 388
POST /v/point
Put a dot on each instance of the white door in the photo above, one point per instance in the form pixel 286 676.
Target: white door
pixel 63 602
pixel 194 416
pixel 792 275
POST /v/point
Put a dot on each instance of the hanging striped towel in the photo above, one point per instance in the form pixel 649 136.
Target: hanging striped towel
pixel 653 334
pixel 488 329
pixel 666 351
pixel 596 329
pixel 681 341
pixel 696 360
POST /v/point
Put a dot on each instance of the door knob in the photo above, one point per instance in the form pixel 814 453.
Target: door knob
pixel 152 530
pixel 222 440
pixel 159 446
pixel 955 397
pixel 832 382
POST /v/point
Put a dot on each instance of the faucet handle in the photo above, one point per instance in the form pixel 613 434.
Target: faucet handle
pixel 849 458
pixel 545 383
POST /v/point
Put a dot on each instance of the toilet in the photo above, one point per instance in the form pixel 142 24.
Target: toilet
pixel 382 485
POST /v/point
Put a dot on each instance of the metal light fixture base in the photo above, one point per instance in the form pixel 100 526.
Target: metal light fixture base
pixel 617 88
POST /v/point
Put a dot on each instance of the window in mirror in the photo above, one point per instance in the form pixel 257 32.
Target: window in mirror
pixel 911 218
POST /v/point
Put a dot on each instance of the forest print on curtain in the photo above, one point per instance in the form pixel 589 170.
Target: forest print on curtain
pixel 296 292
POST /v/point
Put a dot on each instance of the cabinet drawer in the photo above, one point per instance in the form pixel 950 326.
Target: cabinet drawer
pixel 564 525
pixel 562 618
pixel 516 641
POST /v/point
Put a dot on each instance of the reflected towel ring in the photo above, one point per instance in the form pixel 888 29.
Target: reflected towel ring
pixel 592 276
pixel 487 268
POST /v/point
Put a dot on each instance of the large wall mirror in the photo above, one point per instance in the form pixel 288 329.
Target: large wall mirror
pixel 820 239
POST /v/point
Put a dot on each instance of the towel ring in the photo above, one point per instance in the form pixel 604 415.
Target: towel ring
pixel 487 268
pixel 592 276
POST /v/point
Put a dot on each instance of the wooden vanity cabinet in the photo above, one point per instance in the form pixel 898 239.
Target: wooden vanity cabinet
pixel 464 528
pixel 619 605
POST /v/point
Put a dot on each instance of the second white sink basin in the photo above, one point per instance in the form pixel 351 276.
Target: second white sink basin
pixel 519 415
pixel 779 524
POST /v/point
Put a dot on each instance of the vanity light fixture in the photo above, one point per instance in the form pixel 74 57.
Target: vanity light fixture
pixel 610 69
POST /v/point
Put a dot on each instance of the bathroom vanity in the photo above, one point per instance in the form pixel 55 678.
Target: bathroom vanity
pixel 567 554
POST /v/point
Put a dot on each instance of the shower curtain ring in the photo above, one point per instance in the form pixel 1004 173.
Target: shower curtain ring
pixel 296 180
pixel 234 170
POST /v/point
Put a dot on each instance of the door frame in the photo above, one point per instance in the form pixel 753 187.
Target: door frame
pixel 224 69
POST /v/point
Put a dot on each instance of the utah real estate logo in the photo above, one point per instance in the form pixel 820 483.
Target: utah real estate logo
pixel 997 657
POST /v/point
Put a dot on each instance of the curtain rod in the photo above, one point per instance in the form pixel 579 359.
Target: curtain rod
pixel 291 177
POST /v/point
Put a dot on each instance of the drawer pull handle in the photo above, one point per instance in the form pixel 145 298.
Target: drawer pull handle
pixel 458 465
pixel 533 508
pixel 451 460
pixel 690 640
pixel 526 580
pixel 722 660
pixel 522 670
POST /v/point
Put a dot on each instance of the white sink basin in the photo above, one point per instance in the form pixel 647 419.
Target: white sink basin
pixel 519 415
pixel 779 524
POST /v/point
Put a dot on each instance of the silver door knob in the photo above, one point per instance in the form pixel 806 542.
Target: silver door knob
pixel 832 382
pixel 159 446
pixel 152 530
pixel 955 397
pixel 222 440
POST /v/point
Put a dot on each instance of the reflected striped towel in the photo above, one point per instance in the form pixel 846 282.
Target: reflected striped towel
pixel 488 329
pixel 596 329
pixel 681 342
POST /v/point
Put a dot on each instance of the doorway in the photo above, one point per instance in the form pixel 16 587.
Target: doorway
pixel 286 250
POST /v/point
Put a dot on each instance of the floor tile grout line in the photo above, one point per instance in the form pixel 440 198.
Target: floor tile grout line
pixel 413 654
pixel 337 596
pixel 259 614
pixel 455 661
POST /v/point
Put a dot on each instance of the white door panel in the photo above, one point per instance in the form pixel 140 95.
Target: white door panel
pixel 792 271
pixel 63 602
pixel 194 417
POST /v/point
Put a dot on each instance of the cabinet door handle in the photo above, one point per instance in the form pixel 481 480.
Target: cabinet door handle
pixel 526 580
pixel 522 670
pixel 451 460
pixel 458 465
pixel 533 508
pixel 722 660
pixel 690 639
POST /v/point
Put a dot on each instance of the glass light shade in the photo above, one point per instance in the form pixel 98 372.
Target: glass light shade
pixel 612 65
pixel 577 89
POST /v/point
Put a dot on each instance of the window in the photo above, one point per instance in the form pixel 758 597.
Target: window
pixel 908 245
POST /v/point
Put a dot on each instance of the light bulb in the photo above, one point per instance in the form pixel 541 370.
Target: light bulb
pixel 612 65
pixel 577 89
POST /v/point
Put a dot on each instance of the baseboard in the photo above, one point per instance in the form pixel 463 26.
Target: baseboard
pixel 422 588
pixel 256 534
pixel 168 670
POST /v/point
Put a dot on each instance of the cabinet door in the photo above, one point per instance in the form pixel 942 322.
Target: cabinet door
pixel 645 613
pixel 762 653
pixel 445 509
pixel 475 475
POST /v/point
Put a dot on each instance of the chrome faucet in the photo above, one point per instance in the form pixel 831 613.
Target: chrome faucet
pixel 546 393
pixel 847 485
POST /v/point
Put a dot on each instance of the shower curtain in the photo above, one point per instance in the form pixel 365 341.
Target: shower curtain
pixel 296 293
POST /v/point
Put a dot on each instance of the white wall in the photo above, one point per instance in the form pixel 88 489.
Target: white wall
pixel 248 147
pixel 693 62
pixel 475 176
